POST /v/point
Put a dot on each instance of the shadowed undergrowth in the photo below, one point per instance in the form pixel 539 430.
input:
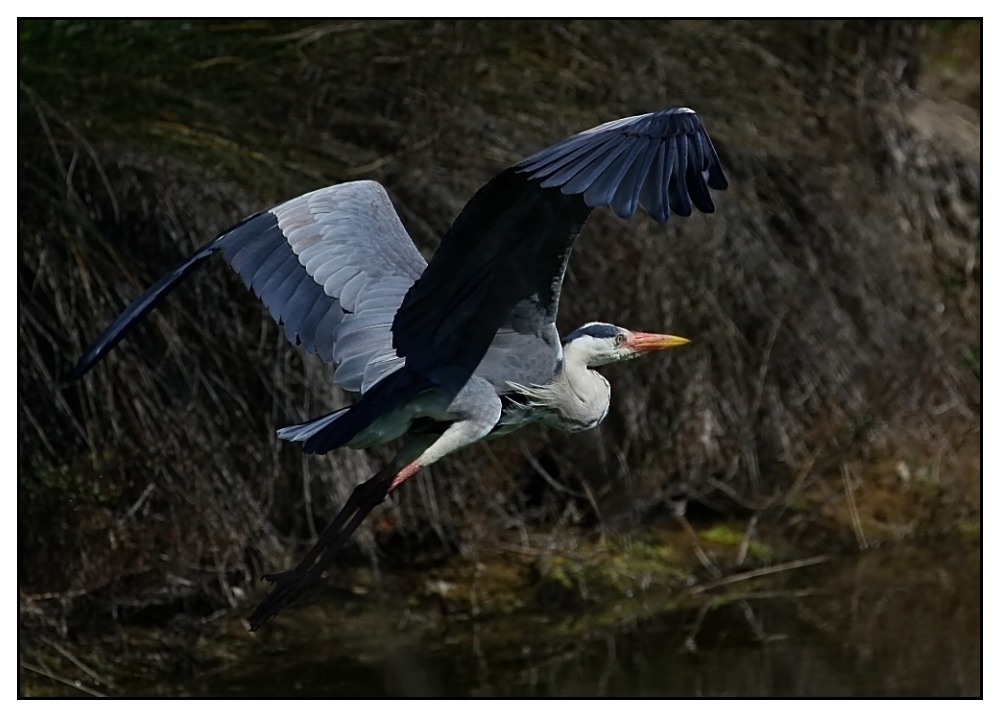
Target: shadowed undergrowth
pixel 833 299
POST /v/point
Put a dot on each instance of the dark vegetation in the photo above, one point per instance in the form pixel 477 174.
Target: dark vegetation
pixel 833 299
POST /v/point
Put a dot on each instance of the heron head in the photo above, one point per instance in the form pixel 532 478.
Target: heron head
pixel 599 344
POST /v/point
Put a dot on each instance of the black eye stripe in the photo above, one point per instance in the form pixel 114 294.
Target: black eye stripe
pixel 598 331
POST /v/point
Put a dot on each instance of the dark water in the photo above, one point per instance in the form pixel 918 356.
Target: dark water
pixel 899 622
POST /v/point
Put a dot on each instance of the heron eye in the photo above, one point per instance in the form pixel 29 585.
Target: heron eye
pixel 619 339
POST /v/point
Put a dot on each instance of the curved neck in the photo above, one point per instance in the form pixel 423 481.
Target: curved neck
pixel 583 394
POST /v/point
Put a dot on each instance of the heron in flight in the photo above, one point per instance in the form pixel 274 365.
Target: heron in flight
pixel 449 352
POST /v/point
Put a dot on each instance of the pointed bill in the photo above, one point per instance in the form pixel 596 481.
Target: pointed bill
pixel 642 343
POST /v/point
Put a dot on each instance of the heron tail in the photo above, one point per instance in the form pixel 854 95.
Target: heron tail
pixel 304 431
pixel 329 432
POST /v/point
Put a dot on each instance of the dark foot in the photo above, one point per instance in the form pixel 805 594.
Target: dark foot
pixel 287 586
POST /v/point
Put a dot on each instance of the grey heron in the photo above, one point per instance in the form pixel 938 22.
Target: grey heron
pixel 449 352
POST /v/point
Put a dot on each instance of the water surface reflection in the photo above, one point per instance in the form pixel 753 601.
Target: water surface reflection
pixel 905 621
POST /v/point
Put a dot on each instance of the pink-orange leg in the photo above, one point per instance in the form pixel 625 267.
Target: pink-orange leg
pixel 407 471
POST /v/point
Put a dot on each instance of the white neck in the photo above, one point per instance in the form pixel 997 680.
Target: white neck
pixel 583 395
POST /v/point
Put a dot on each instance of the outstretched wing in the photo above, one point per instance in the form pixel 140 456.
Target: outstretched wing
pixel 332 266
pixel 509 246
pixel 660 161
pixel 344 243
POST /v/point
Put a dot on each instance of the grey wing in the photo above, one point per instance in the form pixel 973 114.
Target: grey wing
pixel 334 273
pixel 332 266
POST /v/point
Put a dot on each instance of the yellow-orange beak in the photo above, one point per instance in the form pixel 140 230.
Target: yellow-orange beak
pixel 642 343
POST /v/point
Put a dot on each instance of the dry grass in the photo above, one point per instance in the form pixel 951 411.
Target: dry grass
pixel 832 299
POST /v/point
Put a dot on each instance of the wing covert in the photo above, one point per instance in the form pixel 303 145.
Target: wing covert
pixel 342 248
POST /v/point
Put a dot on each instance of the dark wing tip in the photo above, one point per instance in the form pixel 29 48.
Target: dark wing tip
pixel 89 359
pixel 232 240
pixel 142 305
pixel 661 161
